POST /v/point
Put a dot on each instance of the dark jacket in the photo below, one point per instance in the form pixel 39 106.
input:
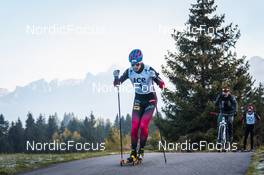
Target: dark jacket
pixel 226 104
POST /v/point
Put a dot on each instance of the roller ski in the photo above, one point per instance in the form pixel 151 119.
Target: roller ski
pixel 134 159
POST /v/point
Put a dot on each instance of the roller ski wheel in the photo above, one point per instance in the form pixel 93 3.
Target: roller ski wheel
pixel 131 161
pixel 134 163
pixel 138 161
pixel 122 162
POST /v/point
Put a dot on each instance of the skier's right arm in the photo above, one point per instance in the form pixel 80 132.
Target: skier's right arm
pixel 218 98
pixel 120 80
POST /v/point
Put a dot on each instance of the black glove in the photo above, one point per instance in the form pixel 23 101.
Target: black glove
pixel 116 74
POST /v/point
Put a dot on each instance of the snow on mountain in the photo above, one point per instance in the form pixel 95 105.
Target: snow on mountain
pixel 3 92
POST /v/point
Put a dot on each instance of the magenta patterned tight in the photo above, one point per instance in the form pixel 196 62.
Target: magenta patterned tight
pixel 141 117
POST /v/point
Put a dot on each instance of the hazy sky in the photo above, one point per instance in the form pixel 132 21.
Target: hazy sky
pixel 91 36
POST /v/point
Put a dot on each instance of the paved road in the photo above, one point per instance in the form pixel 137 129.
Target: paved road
pixel 178 164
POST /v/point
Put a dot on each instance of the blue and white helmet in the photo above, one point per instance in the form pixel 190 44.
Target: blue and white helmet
pixel 135 56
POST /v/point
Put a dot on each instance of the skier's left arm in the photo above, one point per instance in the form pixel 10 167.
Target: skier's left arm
pixel 157 79
pixel 243 118
pixel 119 80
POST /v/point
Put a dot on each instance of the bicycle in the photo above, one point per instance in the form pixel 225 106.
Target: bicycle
pixel 222 134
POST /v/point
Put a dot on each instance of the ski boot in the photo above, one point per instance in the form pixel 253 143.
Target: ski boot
pixel 140 155
pixel 131 160
pixel 133 157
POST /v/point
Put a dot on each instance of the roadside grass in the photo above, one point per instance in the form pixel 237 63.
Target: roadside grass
pixel 16 163
pixel 256 166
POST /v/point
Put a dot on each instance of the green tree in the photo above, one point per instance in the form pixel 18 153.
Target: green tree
pixel 31 129
pixel 41 128
pixel 4 125
pixel 12 137
pixel 100 124
pixel 107 128
pixel 16 137
pixel 203 62
pixel 116 122
pixel 88 128
pixel 67 117
pixel 74 125
pixel 52 126
pixel 127 124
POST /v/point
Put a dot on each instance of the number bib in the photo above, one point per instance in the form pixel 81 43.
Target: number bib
pixel 142 82
pixel 250 119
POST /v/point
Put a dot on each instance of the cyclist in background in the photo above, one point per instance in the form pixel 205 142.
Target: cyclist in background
pixel 227 104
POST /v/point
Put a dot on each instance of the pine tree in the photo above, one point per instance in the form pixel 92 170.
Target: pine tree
pixel 74 125
pixel 11 137
pixel 31 129
pixel 16 138
pixel 204 62
pixel 88 128
pixel 67 118
pixel 123 123
pixel 4 125
pixel 41 128
pixel 52 126
pixel 92 127
pixel 127 124
pixel 85 129
pixel 107 128
pixel 100 124
pixel 20 143
pixel 116 122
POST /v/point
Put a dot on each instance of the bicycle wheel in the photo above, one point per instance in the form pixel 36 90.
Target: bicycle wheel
pixel 224 135
pixel 220 134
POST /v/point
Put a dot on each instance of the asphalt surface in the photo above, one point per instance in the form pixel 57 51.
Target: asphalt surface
pixel 153 164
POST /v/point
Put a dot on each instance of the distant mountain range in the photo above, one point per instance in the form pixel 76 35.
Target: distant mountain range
pixel 3 92
pixel 81 96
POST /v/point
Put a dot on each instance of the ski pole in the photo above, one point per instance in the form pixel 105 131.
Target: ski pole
pixel 164 155
pixel 116 75
pixel 120 125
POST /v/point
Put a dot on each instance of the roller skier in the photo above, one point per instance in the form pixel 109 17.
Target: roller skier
pixel 142 77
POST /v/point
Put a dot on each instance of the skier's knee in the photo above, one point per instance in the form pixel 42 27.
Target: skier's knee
pixel 144 129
